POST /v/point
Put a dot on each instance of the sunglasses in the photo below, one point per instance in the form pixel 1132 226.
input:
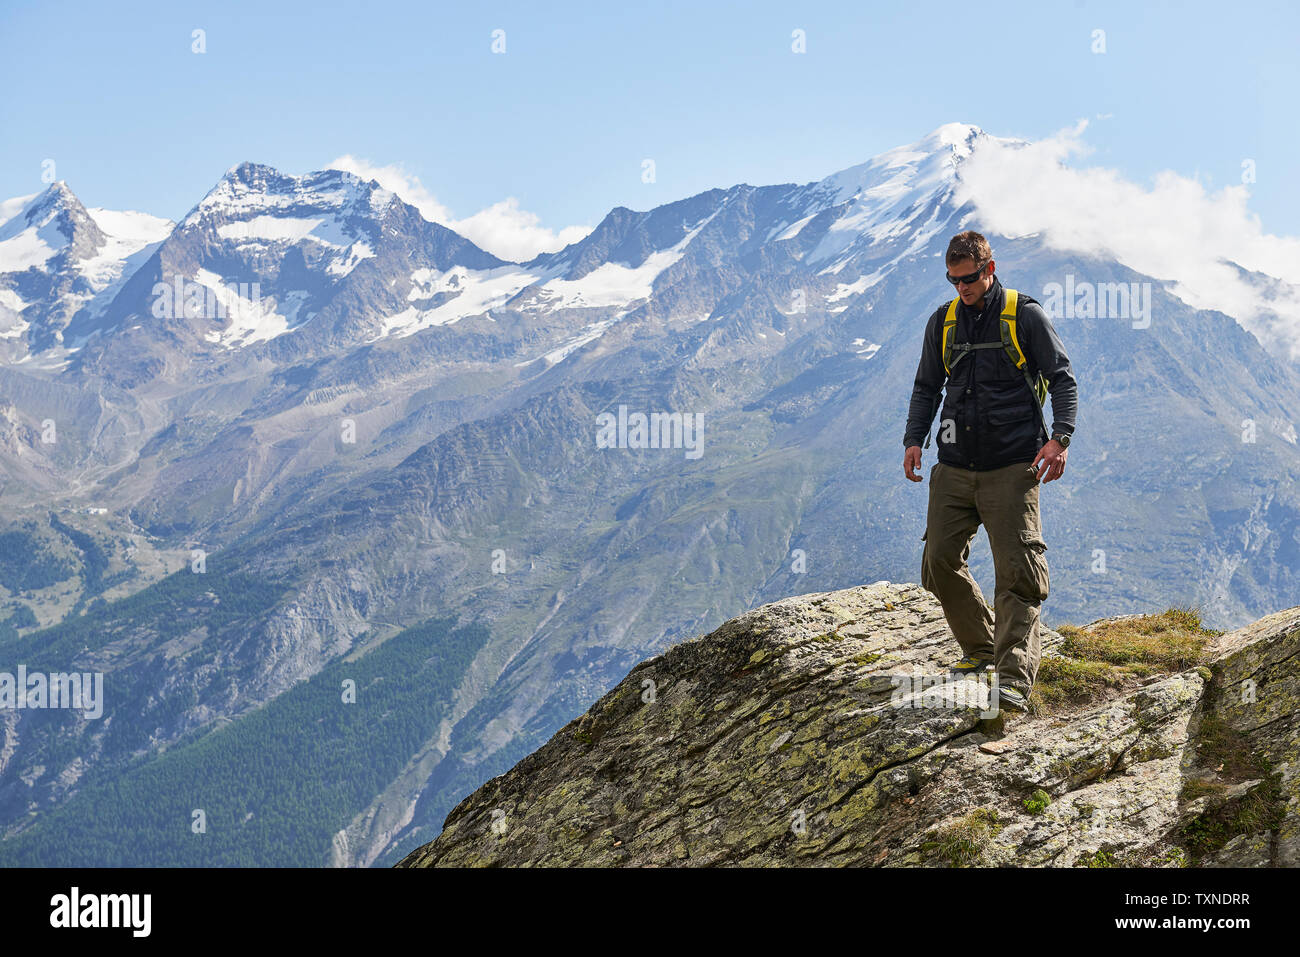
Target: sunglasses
pixel 958 280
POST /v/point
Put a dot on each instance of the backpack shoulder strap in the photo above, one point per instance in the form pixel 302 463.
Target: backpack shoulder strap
pixel 949 331
pixel 1010 341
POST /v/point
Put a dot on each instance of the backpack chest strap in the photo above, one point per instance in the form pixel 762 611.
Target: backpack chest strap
pixel 1008 340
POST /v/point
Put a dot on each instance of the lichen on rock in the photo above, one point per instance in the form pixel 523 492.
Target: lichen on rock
pixel 823 730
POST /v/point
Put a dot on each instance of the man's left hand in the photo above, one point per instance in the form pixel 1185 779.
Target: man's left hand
pixel 1050 463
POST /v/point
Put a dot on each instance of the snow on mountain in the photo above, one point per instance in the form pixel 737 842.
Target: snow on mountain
pixel 9 208
pixel 258 209
pixel 131 237
pixel 616 283
pixel 892 205
pixel 28 242
pixel 340 260
pixel 35 229
pixel 442 297
pixel 59 259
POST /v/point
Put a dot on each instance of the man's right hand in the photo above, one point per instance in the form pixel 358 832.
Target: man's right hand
pixel 912 462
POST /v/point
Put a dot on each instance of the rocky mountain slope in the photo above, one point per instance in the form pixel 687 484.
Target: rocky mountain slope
pixel 801 733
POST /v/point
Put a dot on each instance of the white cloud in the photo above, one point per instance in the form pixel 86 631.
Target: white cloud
pixel 399 181
pixel 1174 230
pixel 513 233
pixel 502 229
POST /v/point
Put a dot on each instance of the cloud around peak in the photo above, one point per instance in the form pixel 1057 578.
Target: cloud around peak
pixel 502 229
pixel 1175 230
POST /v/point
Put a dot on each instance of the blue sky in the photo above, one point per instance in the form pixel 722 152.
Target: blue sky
pixel 562 121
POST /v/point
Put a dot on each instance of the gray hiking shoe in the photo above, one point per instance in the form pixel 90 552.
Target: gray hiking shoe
pixel 1009 699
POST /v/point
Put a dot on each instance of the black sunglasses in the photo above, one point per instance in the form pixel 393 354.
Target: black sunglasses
pixel 973 277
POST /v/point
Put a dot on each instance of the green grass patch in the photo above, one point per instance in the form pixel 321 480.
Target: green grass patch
pixel 1170 641
pixel 965 842
pixel 1067 684
pixel 1100 663
pixel 1260 809
pixel 1155 856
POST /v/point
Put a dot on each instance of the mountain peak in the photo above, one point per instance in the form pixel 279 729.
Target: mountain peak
pixel 50 221
pixel 934 157
pixel 824 729
pixel 953 135
pixel 59 189
pixel 255 188
pixel 55 198
pixel 251 173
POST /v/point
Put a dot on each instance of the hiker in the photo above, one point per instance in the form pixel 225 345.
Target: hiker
pixel 997 352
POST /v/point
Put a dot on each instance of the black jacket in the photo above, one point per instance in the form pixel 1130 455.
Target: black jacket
pixel 993 413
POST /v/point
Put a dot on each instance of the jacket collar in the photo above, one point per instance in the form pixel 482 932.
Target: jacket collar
pixel 992 300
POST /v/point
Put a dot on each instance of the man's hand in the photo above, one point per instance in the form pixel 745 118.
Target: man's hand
pixel 912 462
pixel 1050 463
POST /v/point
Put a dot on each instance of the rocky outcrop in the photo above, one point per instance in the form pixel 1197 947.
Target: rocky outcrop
pixel 805 733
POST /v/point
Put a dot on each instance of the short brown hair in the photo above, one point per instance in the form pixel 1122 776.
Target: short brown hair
pixel 968 245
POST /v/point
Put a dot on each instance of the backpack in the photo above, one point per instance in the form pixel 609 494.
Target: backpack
pixel 954 352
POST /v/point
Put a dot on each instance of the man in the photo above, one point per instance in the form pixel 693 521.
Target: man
pixel 992 454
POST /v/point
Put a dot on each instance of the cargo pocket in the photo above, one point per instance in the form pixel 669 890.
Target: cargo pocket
pixel 1033 540
pixel 1036 555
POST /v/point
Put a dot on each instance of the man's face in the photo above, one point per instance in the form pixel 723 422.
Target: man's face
pixel 972 293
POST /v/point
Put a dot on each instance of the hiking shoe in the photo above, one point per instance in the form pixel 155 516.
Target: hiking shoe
pixel 1009 699
pixel 970 666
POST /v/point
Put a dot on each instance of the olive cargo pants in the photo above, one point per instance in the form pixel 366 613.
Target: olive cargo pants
pixel 1005 501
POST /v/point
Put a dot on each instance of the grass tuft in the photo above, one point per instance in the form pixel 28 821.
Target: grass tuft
pixel 1104 661
pixel 964 842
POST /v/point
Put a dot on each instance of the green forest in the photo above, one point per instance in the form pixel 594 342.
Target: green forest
pixel 275 785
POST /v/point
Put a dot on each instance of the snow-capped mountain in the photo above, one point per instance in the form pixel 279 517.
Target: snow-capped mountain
pixel 327 257
pixel 344 262
pixel 305 265
pixel 59 259
pixel 882 210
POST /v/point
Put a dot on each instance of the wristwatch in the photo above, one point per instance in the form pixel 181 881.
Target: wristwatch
pixel 1062 438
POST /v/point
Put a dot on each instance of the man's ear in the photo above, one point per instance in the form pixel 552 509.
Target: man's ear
pixel 992 266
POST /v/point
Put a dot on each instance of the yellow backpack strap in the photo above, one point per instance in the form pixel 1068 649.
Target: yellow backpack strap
pixel 1017 355
pixel 949 330
pixel 1008 317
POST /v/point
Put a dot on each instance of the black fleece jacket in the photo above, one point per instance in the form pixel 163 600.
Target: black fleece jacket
pixel 989 411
